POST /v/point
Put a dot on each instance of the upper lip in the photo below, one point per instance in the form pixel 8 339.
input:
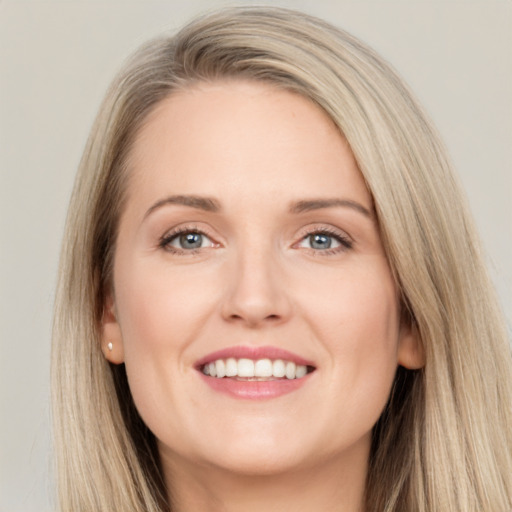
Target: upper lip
pixel 255 353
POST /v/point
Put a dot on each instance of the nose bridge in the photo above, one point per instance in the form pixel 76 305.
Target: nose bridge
pixel 255 293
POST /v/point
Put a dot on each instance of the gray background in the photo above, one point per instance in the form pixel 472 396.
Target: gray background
pixel 56 60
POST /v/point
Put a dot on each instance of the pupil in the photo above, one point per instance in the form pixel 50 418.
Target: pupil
pixel 319 241
pixel 191 240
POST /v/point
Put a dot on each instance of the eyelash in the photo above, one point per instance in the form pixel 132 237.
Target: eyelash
pixel 345 242
pixel 165 242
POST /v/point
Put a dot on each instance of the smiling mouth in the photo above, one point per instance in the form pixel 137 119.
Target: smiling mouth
pixel 244 369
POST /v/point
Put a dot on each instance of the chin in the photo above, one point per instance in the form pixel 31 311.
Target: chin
pixel 255 452
pixel 259 462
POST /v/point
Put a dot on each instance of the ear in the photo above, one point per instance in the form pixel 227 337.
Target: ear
pixel 111 337
pixel 411 353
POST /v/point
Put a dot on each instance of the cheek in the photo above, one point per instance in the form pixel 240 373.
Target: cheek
pixel 355 312
pixel 161 312
pixel 356 320
pixel 160 307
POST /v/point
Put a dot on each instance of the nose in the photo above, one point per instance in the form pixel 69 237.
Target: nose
pixel 255 295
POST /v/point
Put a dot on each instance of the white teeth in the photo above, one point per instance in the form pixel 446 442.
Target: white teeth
pixel 299 372
pixel 245 368
pixel 231 367
pixel 290 370
pixel 261 369
pixel 220 366
pixel 278 368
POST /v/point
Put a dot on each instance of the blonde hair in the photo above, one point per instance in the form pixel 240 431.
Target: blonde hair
pixel 444 441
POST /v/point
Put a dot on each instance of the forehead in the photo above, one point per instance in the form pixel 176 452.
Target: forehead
pixel 251 134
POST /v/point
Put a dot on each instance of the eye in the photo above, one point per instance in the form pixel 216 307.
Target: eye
pixel 325 241
pixel 319 242
pixel 188 240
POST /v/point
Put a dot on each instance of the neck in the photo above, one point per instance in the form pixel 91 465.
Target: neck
pixel 331 486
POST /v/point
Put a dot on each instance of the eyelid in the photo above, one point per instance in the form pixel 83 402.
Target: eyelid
pixel 345 240
pixel 164 240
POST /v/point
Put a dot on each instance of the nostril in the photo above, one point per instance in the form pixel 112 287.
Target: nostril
pixel 255 319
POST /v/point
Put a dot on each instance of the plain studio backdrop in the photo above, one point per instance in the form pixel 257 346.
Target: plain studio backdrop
pixel 56 61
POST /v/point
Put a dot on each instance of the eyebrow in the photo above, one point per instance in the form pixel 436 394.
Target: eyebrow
pixel 210 204
pixel 319 204
pixel 207 204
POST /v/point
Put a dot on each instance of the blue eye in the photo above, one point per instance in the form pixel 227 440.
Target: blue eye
pixel 186 241
pixel 324 241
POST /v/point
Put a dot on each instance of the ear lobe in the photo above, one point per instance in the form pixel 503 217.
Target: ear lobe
pixel 411 353
pixel 111 337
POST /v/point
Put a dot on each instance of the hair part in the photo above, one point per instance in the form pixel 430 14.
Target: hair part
pixel 444 440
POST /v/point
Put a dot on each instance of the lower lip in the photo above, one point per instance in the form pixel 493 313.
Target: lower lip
pixel 254 390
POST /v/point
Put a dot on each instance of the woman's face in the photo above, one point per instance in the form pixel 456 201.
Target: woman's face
pixel 249 244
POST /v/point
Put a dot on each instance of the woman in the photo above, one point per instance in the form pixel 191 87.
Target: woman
pixel 271 293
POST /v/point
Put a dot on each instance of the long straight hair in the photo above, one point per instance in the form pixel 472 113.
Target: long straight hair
pixel 444 441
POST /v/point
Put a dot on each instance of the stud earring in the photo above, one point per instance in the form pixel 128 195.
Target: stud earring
pixel 110 346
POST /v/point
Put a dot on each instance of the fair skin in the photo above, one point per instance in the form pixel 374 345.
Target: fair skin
pixel 248 229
